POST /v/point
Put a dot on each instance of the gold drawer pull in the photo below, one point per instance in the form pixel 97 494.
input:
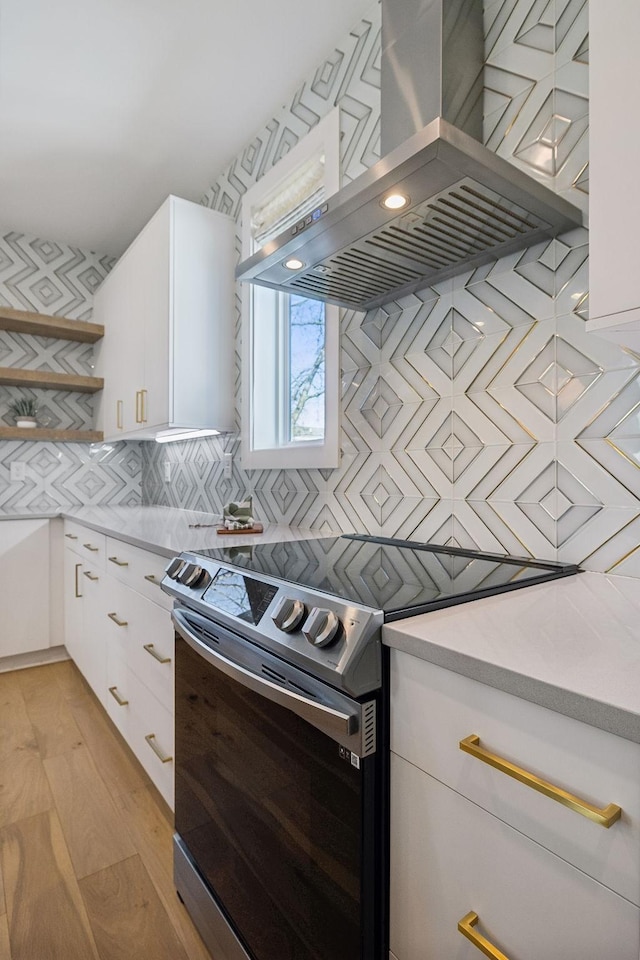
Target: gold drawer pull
pixel 156 656
pixel 466 925
pixel 121 623
pixel 150 738
pixel 88 546
pixel 119 424
pixel 119 563
pixel 151 577
pixel 71 536
pixel 114 693
pixel 605 816
pixel 89 575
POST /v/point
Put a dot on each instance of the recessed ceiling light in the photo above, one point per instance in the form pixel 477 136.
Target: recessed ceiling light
pixel 293 264
pixel 395 201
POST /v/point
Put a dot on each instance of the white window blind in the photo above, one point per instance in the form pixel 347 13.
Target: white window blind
pixel 293 199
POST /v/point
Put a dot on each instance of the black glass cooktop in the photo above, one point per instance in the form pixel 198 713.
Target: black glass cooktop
pixel 398 577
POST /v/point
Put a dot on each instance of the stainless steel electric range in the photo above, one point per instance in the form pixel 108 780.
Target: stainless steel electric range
pixel 282 733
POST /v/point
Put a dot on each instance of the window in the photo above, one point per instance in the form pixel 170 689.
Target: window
pixel 290 344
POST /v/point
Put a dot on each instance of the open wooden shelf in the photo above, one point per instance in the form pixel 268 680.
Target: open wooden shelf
pixel 42 325
pixel 37 433
pixel 14 377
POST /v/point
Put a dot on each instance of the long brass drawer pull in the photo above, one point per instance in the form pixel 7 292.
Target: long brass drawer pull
pixel 71 536
pixel 114 693
pixel 89 575
pixel 466 925
pixel 119 563
pixel 156 656
pixel 150 738
pixel 119 406
pixel 604 816
pixel 114 617
pixel 90 547
pixel 151 577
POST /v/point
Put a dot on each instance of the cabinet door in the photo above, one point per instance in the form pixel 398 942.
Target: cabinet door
pixel 93 659
pixel 120 354
pixel 73 604
pixel 24 575
pixel 154 282
pixel 450 857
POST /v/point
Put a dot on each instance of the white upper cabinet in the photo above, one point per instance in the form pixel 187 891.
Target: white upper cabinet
pixel 167 308
pixel 614 158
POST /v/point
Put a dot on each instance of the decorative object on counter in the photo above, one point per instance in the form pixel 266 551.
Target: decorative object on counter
pixel 238 518
pixel 25 412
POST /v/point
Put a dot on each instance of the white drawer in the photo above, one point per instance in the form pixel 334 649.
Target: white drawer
pixel 141 633
pixel 87 543
pixel 449 857
pixel 139 569
pixel 150 736
pixel 433 709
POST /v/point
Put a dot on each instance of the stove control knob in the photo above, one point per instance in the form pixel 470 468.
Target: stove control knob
pixel 175 568
pixel 288 614
pixel 321 627
pixel 193 576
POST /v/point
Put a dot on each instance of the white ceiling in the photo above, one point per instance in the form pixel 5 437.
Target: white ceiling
pixel 107 106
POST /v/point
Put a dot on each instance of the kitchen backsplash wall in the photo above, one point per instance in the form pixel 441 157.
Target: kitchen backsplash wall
pixel 478 413
pixel 53 278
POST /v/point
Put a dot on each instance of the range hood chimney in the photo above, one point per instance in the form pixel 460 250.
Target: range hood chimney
pixel 465 206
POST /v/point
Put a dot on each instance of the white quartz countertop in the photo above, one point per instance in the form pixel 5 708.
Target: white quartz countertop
pixel 164 530
pixel 572 645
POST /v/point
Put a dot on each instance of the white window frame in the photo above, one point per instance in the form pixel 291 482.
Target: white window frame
pixel 325 137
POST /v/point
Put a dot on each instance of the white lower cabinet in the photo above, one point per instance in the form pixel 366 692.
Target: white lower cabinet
pixel 119 632
pixel 472 833
pixel 450 858
pixel 24 575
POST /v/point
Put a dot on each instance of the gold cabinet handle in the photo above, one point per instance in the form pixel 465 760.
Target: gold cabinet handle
pixel 114 693
pixel 604 816
pixel 143 406
pixel 77 591
pixel 121 623
pixel 151 738
pixel 119 406
pixel 89 546
pixel 466 925
pixel 89 575
pixel 156 656
pixel 71 536
pixel 138 407
pixel 119 563
pixel 151 577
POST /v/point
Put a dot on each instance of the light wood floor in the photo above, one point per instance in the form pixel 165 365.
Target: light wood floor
pixel 85 841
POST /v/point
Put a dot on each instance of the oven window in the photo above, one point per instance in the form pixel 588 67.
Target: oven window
pixel 271 814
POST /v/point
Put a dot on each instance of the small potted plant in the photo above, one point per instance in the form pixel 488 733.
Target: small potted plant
pixel 25 411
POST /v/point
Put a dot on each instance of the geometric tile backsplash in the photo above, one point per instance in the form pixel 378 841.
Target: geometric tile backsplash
pixel 54 278
pixel 478 413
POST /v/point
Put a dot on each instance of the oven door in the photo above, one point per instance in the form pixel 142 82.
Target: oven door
pixel 277 807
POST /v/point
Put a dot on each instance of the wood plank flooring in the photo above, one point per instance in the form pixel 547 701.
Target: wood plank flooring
pixel 85 840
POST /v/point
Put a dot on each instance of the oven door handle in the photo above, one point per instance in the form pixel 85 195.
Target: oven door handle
pixel 334 723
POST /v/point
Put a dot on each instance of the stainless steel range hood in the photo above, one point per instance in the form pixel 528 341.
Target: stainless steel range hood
pixel 466 206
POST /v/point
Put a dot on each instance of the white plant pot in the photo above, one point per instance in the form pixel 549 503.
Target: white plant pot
pixel 26 422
